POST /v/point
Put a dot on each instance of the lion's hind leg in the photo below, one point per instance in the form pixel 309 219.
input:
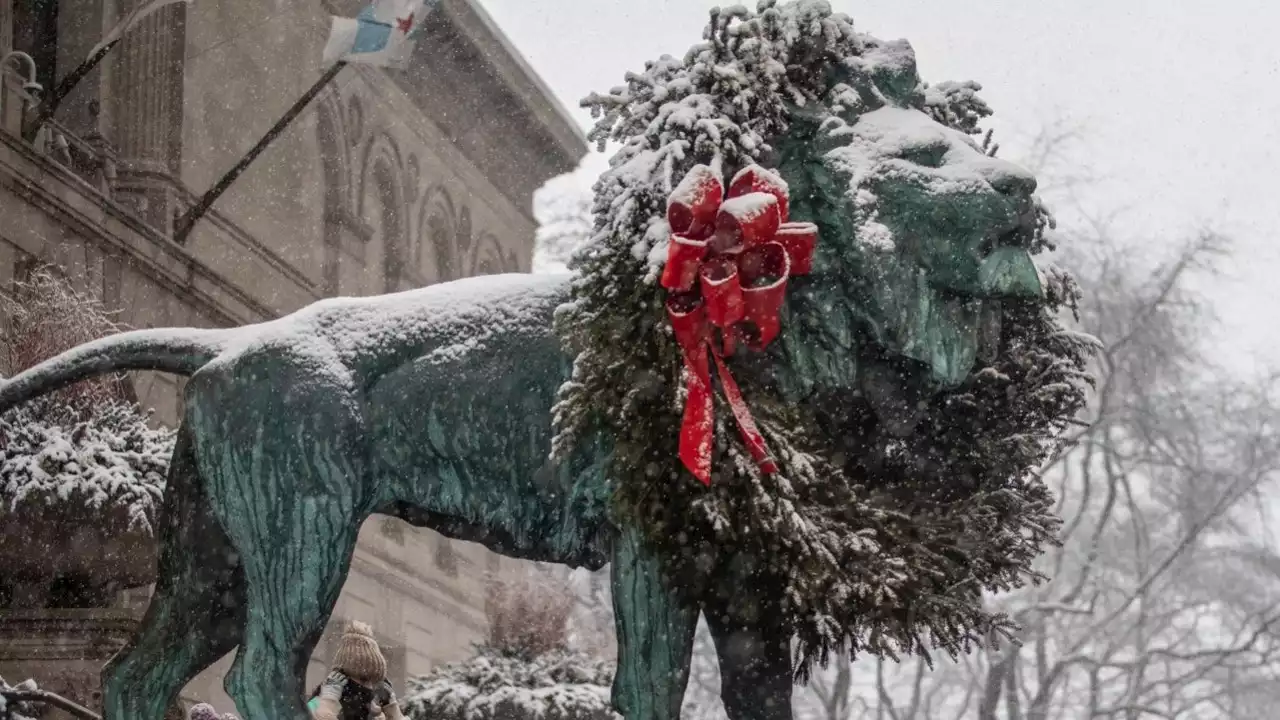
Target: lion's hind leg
pixel 285 450
pixel 197 611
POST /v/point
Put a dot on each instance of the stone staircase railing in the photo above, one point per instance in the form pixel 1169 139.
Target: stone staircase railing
pixel 91 158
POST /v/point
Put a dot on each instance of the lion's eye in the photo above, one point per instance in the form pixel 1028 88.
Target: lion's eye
pixel 927 155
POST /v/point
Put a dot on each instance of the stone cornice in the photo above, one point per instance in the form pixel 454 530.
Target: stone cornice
pixel 25 635
pixel 518 76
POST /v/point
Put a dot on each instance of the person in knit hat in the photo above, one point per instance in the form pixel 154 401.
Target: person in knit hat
pixel 357 687
pixel 202 711
pixel 205 711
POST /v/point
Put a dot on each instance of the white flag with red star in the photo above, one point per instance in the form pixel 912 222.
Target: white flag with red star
pixel 382 34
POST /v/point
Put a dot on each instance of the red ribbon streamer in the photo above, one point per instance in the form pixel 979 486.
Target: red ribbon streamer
pixel 697 425
pixel 728 262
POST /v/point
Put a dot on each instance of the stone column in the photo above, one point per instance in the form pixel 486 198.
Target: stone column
pixel 146 115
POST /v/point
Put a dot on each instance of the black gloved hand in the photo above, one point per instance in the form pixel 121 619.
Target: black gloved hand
pixel 385 693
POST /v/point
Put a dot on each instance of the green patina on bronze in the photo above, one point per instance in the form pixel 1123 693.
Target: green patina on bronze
pixel 907 371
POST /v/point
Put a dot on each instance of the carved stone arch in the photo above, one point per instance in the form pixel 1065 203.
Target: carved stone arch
pixel 511 261
pixel 382 205
pixel 414 187
pixel 355 116
pixel 492 258
pixel 415 192
pixel 464 242
pixel 437 232
pixel 335 164
pixel 381 149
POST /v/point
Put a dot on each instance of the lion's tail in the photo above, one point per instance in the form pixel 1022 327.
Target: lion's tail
pixel 181 351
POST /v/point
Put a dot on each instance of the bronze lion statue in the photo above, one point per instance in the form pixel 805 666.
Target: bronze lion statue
pixel 920 376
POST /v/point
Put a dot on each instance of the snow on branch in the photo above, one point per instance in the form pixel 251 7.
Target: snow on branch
pixel 51 455
pixel 47 316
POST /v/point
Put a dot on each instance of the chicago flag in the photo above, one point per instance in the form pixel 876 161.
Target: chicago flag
pixel 382 34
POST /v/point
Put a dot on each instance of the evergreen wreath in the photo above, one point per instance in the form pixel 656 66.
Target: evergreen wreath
pixel 864 541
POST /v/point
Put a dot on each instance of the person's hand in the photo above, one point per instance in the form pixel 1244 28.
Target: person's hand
pixel 386 693
pixel 333 686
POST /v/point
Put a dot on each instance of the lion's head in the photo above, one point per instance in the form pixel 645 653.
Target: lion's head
pixel 920 376
pixel 923 231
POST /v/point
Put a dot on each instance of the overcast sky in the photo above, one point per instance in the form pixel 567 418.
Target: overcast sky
pixel 1181 106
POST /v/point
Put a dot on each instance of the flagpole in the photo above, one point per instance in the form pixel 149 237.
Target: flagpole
pixel 68 83
pixel 182 228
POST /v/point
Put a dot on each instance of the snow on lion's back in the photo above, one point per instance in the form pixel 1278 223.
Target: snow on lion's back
pixel 345 331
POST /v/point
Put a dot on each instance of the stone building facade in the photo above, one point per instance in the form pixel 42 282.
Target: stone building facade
pixel 390 180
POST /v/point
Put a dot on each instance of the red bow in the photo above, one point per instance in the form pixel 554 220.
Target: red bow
pixel 728 261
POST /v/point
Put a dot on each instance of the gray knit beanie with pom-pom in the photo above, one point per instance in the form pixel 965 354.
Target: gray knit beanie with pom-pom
pixel 359 656
pixel 202 711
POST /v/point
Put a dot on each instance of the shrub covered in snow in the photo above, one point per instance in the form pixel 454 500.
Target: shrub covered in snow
pixel 495 685
pixel 524 671
pixel 82 472
pixel 106 458
pixel 88 444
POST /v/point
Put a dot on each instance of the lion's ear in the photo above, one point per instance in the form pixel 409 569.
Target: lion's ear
pixel 892 67
pixel 1010 272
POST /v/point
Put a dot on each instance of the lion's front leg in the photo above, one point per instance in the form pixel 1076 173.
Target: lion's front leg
pixel 655 635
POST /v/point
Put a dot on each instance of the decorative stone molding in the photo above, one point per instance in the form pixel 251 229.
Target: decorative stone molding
pixel 92 159
pixel 33 186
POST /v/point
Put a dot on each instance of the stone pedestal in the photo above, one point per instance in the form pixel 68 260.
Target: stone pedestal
pixel 63 650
